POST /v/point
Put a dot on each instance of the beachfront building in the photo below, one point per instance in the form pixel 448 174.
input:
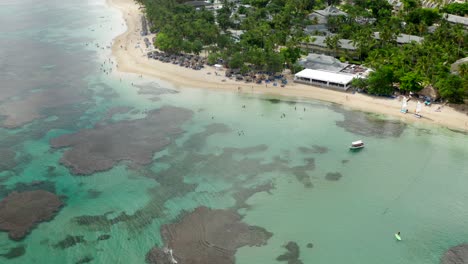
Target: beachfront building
pixel 334 80
pixel 322 62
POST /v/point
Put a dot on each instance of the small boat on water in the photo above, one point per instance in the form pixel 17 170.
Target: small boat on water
pixel 357 145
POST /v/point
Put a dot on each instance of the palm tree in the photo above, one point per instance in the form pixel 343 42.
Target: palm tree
pixel 459 35
pixel 362 40
pixel 332 42
pixel 463 69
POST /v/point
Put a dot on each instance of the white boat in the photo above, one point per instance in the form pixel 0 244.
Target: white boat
pixel 357 144
pixel 418 110
pixel 404 106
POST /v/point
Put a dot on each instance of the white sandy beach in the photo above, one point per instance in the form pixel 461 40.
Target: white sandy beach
pixel 132 59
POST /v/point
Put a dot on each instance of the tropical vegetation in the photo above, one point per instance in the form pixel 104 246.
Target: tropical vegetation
pixel 273 38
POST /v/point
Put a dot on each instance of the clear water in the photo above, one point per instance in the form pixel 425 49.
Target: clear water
pixel 409 178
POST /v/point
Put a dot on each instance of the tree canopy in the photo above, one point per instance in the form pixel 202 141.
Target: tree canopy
pixel 273 34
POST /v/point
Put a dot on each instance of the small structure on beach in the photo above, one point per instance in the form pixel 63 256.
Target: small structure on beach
pixel 335 80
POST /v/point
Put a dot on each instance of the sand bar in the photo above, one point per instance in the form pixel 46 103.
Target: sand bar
pixel 131 58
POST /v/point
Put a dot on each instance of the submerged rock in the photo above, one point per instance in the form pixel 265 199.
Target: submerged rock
pixel 456 255
pixel 315 149
pixel 292 256
pixel 333 176
pixel 20 212
pixel 368 125
pixel 7 159
pixel 103 237
pixel 86 259
pixel 14 252
pixel 69 241
pixel 206 236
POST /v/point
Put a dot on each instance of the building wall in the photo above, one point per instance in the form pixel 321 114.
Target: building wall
pixel 323 84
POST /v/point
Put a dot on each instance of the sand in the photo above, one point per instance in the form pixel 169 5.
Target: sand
pixel 129 53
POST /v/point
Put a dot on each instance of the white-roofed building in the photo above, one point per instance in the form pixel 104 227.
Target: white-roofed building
pixel 334 80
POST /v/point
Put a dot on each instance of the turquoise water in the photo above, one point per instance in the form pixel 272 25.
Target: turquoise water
pixel 409 178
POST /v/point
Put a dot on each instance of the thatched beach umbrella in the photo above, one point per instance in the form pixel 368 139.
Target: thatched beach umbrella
pixel 429 91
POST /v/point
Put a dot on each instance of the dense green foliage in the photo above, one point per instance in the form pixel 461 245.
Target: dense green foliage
pixel 413 65
pixel 273 33
pixel 459 9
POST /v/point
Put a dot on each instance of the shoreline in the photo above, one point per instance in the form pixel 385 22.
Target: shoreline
pixel 131 58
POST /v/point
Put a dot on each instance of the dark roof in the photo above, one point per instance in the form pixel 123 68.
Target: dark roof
pixel 403 38
pixel 343 43
pixel 331 11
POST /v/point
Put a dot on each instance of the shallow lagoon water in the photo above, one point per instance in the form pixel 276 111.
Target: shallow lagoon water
pixel 409 178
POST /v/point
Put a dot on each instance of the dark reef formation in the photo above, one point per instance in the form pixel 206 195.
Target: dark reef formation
pixel 115 111
pixel 20 212
pixel 365 124
pixel 292 256
pixel 100 148
pixel 7 159
pixel 244 194
pixel 333 176
pixel 83 260
pixel 103 237
pixel 197 141
pixel 27 109
pixel 93 194
pixel 154 89
pixel 315 149
pixel 69 241
pixel 206 236
pixel 14 252
pixel 27 186
pixel 456 255
pixel 238 166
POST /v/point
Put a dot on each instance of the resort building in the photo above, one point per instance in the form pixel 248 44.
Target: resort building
pixel 326 79
pixel 318 45
pixel 403 38
pixel 396 4
pixel 329 72
pixel 321 16
pixel 322 62
pixel 437 3
pixel 463 21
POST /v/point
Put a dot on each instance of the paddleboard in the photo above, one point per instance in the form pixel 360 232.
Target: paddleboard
pixel 397 237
